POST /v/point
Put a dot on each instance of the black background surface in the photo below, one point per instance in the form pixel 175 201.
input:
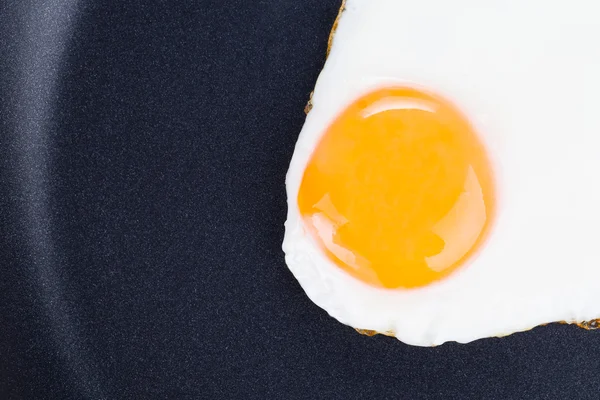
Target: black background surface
pixel 144 152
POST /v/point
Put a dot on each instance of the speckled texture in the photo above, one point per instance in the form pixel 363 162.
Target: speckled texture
pixel 145 146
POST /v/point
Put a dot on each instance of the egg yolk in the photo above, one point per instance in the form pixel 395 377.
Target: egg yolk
pixel 399 191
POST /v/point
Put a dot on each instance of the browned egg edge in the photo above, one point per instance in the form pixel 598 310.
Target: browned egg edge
pixel 309 105
pixel 588 325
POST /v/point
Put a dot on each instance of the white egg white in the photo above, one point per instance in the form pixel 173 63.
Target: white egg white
pixel 526 75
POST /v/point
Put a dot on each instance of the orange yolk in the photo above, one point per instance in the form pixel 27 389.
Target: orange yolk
pixel 399 191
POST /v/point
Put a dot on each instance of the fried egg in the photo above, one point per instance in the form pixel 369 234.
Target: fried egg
pixel 444 186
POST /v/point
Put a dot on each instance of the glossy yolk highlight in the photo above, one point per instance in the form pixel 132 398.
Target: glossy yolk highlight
pixel 399 191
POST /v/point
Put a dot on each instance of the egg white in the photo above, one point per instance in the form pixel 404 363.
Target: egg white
pixel 528 82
